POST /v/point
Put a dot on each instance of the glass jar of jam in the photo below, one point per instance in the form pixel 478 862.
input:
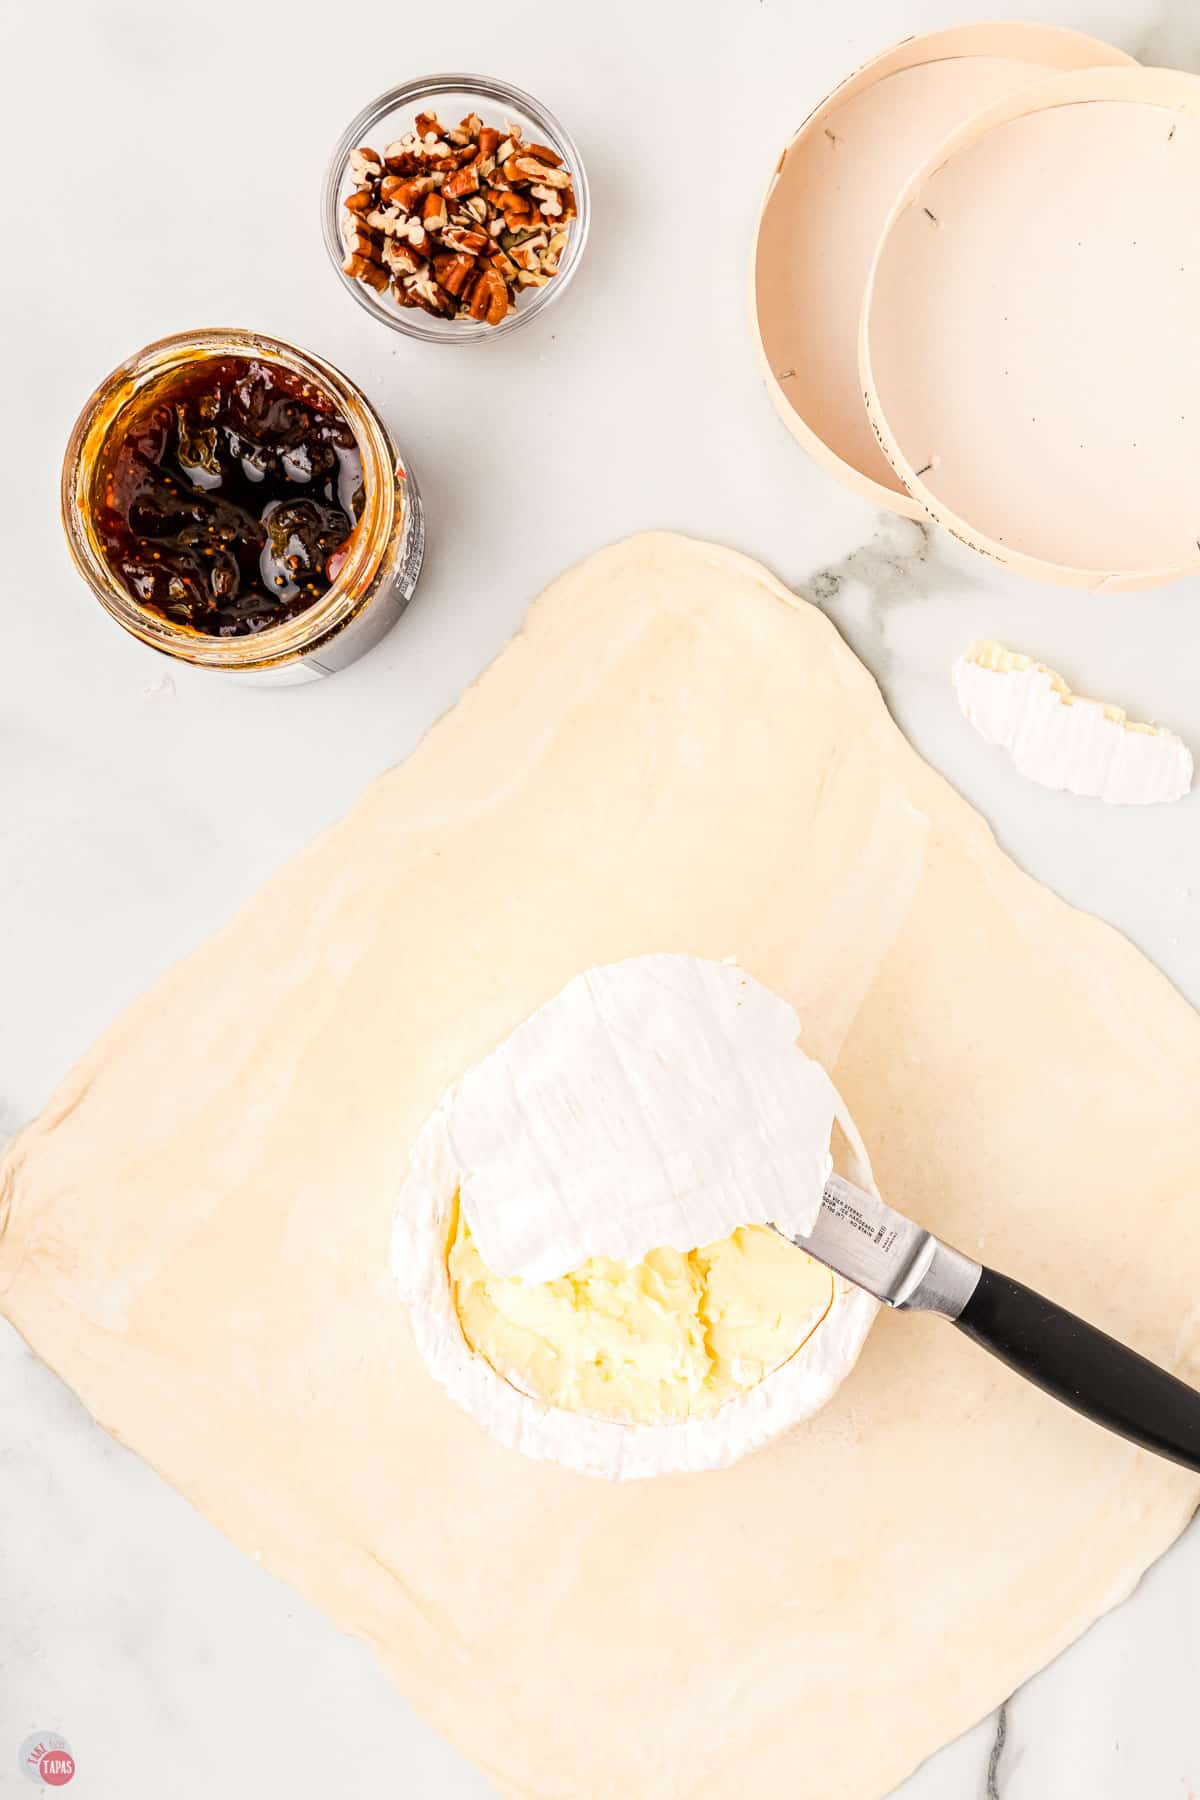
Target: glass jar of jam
pixel 237 503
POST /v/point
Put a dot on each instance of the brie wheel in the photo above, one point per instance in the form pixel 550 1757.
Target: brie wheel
pixel 1060 740
pixel 583 1231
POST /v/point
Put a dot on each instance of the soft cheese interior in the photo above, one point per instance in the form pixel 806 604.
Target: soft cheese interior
pixel 583 1234
pixel 676 1334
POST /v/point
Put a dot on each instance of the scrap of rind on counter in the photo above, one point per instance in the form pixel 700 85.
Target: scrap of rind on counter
pixel 1063 740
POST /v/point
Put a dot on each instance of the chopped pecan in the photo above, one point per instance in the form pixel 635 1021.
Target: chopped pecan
pixel 489 297
pixel 360 239
pixel 365 163
pixel 549 203
pixel 466 238
pixel 522 169
pixel 402 157
pixel 407 192
pixel 462 182
pixel 362 268
pixel 386 219
pixel 453 271
pixel 525 254
pixel 554 250
pixel 517 210
pixel 400 257
pixel 424 291
pixel 359 201
pixel 433 211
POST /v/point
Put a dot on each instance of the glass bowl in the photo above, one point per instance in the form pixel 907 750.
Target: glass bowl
pixel 452 96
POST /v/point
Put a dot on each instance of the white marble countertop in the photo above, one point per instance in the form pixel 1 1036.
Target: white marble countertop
pixel 176 184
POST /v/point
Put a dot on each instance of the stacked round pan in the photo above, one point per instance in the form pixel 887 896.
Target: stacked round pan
pixel 976 289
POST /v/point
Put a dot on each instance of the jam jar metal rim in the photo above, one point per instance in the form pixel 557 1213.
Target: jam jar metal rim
pixel 413 94
pixel 387 482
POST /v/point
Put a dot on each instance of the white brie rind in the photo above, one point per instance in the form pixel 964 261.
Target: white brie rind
pixel 1061 740
pixel 660 1101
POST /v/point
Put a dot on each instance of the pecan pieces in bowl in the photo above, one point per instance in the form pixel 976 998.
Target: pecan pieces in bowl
pixel 457 222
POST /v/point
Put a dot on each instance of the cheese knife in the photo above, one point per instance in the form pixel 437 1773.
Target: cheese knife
pixel 861 1238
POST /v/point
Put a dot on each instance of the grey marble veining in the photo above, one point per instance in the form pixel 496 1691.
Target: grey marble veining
pixel 140 806
pixel 865 590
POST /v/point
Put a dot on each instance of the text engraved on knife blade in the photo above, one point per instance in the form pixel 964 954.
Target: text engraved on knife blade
pixel 839 1207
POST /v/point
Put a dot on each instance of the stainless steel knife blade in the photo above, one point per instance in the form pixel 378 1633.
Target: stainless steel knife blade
pixel 878 1249
pixel 871 1244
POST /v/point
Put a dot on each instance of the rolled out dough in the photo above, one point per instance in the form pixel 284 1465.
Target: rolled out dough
pixel 673 755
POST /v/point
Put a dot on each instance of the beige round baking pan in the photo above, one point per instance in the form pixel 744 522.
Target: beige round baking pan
pixel 826 205
pixel 1029 346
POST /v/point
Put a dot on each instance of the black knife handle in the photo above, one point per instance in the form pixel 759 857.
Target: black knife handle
pixel 1085 1368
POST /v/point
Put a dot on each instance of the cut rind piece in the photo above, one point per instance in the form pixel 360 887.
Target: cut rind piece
pixel 427 1214
pixel 658 1101
pixel 1062 740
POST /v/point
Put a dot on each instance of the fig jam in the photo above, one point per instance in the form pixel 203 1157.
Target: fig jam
pixel 229 497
